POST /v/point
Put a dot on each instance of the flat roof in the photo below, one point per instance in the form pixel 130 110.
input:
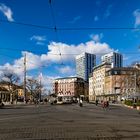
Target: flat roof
pixel 124 68
pixel 69 78
pixel 100 65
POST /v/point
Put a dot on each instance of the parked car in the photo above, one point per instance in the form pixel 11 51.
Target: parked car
pixel 67 101
pixel 52 101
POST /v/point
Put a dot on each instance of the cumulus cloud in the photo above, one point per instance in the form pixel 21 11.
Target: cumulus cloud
pixel 66 70
pixel 7 12
pixel 68 53
pixel 136 14
pixel 47 81
pixel 33 61
pixel 39 40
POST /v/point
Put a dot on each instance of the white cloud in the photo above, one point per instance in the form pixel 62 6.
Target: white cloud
pixel 39 40
pixel 68 52
pixel 75 19
pixel 96 18
pixel 136 14
pixel 32 62
pixel 96 37
pixel 47 81
pixel 66 70
pixel 40 43
pixel 7 12
pixel 68 55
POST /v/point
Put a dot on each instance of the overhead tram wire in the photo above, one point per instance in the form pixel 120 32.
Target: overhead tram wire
pixel 96 28
pixel 13 58
pixel 68 28
pixel 55 29
pixel 26 24
pixel 30 51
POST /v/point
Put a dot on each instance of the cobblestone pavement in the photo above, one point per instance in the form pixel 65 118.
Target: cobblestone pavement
pixel 69 122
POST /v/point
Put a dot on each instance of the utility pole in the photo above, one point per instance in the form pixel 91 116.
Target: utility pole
pixel 135 87
pixel 40 82
pixel 24 85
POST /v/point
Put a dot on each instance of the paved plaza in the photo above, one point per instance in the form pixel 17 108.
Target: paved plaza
pixel 69 122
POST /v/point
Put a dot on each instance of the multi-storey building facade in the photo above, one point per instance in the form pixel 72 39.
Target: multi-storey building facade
pixel 70 86
pixel 91 91
pixel 115 59
pixel 98 83
pixel 122 83
pixel 10 93
pixel 4 94
pixel 114 83
pixel 84 65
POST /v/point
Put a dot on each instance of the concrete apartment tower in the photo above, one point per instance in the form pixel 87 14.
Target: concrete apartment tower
pixel 84 65
pixel 115 59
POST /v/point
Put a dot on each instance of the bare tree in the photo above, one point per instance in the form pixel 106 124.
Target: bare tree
pixel 10 80
pixel 34 87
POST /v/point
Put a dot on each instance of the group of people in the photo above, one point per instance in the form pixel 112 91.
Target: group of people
pixel 105 104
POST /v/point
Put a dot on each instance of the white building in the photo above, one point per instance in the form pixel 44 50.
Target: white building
pixel 91 91
pixel 99 80
pixel 84 65
pixel 115 59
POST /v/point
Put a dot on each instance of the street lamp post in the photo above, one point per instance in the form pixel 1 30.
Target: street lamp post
pixel 135 88
pixel 24 84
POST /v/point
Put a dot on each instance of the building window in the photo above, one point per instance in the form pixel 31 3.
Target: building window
pixel 115 72
pixel 123 72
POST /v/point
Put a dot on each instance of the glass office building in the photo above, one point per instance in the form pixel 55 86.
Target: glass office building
pixel 84 65
pixel 115 59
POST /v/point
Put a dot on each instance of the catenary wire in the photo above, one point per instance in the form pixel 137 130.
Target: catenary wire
pixel 69 28
pixel 11 49
pixel 55 28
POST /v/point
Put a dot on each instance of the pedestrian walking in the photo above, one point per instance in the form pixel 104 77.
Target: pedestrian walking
pixel 107 104
pixel 81 103
pixel 96 102
pixel 104 104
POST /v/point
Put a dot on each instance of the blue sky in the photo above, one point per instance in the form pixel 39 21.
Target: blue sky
pixel 43 47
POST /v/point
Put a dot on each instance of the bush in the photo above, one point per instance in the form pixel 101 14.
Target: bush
pixel 131 103
pixel 128 102
pixel 138 103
